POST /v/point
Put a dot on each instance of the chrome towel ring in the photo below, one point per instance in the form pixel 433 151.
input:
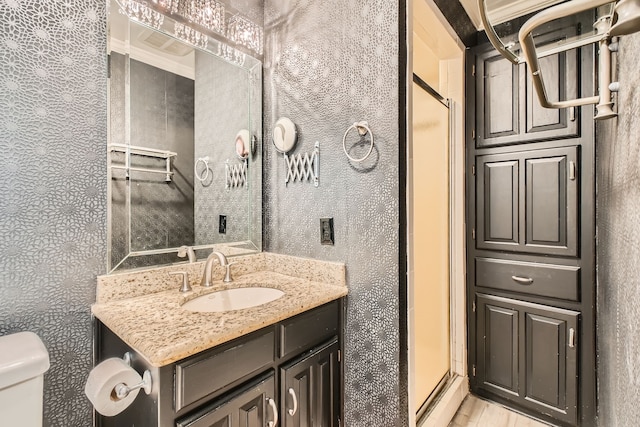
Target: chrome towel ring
pixel 205 174
pixel 363 129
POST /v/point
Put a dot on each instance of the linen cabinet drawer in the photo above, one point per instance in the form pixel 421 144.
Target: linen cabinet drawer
pixel 547 280
pixel 204 374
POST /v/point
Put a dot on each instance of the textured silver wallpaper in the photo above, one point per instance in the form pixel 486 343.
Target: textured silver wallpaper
pixel 327 65
pixel 618 211
pixel 53 186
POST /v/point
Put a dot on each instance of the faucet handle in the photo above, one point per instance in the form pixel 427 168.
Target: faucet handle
pixel 185 280
pixel 227 272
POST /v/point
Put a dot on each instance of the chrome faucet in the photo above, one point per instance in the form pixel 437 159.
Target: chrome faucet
pixel 184 251
pixel 208 268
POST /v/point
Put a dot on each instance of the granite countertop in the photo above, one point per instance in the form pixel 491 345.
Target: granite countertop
pixel 162 332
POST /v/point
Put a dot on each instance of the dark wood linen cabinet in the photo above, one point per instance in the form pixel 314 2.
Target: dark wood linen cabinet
pixel 531 233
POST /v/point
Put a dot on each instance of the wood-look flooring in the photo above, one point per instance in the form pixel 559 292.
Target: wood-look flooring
pixel 476 412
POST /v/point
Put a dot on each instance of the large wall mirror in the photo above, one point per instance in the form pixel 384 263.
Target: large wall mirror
pixel 184 152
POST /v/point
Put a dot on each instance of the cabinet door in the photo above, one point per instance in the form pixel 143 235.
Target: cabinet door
pixel 252 406
pixel 527 353
pixel 551 214
pixel 528 201
pixel 310 392
pixel 498 347
pixel 507 108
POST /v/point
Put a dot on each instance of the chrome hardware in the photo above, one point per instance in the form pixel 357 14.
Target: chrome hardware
pixel 292 393
pixel 303 167
pixel 274 408
pixel 572 338
pixel 187 251
pixel 236 175
pixel 121 390
pixel 208 268
pixel 572 170
pixel 522 280
pixel 185 280
pixel 363 129
pixel 604 107
pixel 227 273
pixel 614 87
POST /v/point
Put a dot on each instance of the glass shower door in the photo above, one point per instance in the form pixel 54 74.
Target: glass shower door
pixel 429 243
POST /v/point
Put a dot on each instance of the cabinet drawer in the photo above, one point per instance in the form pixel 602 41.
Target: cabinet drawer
pixel 250 403
pixel 204 374
pixel 308 329
pixel 547 280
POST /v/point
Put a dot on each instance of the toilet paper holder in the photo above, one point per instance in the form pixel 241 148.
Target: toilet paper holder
pixel 122 390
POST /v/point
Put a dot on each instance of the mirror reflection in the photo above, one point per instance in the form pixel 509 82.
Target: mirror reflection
pixel 183 163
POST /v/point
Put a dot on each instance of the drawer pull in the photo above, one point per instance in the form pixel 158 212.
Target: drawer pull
pixel 274 409
pixel 292 393
pixel 572 170
pixel 522 280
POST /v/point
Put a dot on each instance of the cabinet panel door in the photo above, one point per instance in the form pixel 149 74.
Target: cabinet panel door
pixel 552 201
pixel 248 407
pixel 527 201
pixel 561 78
pixel 497 94
pixel 498 202
pixel 550 361
pixel 527 353
pixel 310 393
pixel 508 110
pixel 498 348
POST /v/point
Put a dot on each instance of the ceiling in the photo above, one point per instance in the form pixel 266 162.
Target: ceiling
pixel 504 10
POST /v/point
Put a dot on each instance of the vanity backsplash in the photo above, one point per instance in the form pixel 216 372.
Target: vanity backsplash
pixel 129 284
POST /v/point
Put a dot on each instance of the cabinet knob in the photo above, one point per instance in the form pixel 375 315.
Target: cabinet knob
pixel 292 393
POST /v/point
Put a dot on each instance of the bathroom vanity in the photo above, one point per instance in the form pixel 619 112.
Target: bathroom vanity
pixel 276 364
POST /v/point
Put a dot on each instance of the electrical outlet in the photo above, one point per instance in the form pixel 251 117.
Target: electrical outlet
pixel 326 231
pixel 222 224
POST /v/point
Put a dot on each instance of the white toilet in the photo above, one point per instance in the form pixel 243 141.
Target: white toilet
pixel 23 362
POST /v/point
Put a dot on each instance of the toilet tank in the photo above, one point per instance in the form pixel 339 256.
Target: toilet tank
pixel 23 362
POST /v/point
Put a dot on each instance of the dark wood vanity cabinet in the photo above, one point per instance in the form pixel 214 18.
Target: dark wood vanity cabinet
pixel 289 371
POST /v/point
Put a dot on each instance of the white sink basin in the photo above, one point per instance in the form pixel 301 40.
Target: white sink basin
pixel 232 299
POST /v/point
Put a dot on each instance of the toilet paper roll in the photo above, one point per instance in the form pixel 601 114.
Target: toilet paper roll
pixel 101 382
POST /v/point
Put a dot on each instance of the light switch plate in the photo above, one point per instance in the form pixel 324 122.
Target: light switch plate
pixel 326 231
pixel 222 224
